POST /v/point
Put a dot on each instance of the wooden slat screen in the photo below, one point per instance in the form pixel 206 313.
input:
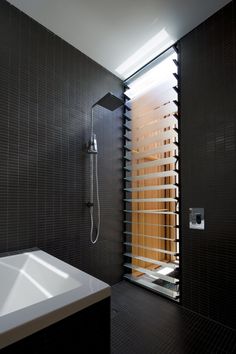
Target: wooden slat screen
pixel 152 178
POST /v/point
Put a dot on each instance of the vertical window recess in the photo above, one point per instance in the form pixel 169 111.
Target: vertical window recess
pixel 151 176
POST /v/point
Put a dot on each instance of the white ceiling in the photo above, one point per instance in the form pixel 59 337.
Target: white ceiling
pixel 110 31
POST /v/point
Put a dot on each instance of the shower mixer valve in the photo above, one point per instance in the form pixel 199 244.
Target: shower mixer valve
pixel 92 145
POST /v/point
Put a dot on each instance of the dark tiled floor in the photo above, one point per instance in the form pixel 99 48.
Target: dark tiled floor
pixel 145 323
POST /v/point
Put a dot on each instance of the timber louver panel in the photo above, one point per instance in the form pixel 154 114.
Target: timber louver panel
pixel 151 178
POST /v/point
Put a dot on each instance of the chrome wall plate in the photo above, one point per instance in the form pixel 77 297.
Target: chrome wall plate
pixel 196 218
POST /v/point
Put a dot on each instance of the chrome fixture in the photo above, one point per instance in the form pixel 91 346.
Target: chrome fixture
pixel 196 218
pixel 110 102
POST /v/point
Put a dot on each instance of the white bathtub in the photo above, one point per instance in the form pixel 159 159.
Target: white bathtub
pixel 37 290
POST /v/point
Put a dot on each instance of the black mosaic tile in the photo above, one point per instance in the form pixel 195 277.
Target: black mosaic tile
pixel 208 168
pixel 47 88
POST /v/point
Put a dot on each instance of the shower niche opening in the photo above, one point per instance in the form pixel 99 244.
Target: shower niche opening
pixel 151 166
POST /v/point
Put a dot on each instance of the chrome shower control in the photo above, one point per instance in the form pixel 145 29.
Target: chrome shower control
pixel 92 145
pixel 196 218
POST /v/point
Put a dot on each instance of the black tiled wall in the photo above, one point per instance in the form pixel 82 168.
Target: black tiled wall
pixel 46 90
pixel 208 177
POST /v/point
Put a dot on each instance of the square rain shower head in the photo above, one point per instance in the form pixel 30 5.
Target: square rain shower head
pixel 109 101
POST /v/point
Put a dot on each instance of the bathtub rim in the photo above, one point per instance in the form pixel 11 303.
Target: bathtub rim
pixel 28 320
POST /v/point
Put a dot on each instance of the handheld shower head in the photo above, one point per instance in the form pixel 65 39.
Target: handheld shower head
pixel 109 101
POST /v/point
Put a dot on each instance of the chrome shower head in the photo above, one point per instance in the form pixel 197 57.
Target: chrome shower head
pixel 109 101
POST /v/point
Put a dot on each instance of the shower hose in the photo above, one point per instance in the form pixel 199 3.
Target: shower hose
pixel 94 157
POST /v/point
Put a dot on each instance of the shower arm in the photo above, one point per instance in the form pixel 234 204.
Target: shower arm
pixel 92 116
pixel 92 132
pixel 92 147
